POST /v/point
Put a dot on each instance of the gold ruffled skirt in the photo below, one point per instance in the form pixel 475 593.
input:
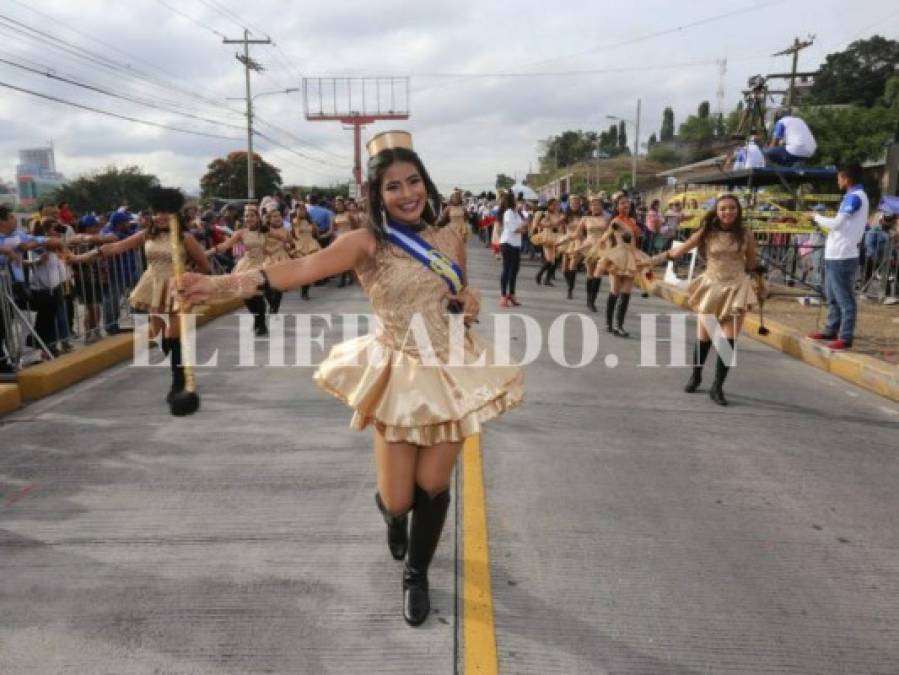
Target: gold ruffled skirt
pixel 461 229
pixel 411 402
pixel 304 246
pixel 622 260
pixel 722 298
pixel 152 293
pixel 278 255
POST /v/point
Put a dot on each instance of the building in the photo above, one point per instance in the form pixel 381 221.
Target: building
pixel 36 175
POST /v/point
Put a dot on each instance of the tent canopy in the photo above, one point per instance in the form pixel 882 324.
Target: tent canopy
pixel 525 190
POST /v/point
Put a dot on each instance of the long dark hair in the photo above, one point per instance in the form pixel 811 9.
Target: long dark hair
pixel 506 202
pixel 710 224
pixel 377 167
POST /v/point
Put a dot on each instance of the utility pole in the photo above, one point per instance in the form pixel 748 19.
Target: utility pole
pixel 794 49
pixel 249 64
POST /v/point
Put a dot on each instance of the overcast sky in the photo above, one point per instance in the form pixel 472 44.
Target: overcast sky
pixel 467 129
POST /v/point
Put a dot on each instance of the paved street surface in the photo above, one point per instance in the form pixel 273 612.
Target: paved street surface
pixel 633 528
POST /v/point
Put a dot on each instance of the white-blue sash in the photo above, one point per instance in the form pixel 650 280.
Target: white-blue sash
pixel 439 263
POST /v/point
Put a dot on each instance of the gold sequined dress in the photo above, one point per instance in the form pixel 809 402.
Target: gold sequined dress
pixel 548 235
pixel 594 226
pixel 304 242
pixel 274 250
pixel 343 223
pixel 254 251
pixel 569 239
pixel 620 256
pixel 387 377
pixel 152 293
pixel 724 289
pixel 458 221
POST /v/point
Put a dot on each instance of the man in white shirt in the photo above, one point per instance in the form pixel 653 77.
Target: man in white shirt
pixel 844 232
pixel 791 142
pixel 753 157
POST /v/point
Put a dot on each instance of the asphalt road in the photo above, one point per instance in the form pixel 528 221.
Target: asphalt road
pixel 633 528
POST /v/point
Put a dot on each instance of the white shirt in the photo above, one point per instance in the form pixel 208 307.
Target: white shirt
pixel 511 222
pixel 848 227
pixel 754 157
pixel 796 135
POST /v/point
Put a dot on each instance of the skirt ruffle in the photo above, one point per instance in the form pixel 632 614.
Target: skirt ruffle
pixel 622 260
pixel 152 293
pixel 304 247
pixel 723 299
pixel 411 402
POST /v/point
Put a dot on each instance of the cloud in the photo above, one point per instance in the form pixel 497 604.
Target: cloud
pixel 467 129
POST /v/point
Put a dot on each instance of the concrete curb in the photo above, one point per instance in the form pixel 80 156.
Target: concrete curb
pixel 10 398
pixel 42 380
pixel 862 371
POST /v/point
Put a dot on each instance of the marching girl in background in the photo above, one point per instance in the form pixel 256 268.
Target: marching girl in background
pixel 420 406
pixel 548 228
pixel 619 256
pixel 570 243
pixel 455 216
pixel 725 289
pixel 252 235
pixel 153 292
pixel 302 239
pixel 275 250
pixel 590 231
pixel 343 223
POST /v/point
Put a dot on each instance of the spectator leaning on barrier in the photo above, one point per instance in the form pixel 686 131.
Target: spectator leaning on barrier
pixel 844 233
pixel 122 271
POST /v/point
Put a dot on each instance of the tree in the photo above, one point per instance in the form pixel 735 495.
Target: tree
pixel 857 75
pixel 720 126
pixel 107 190
pixel 653 140
pixel 622 136
pixel 566 149
pixel 667 131
pixel 504 182
pixel 664 154
pixel 227 178
pixel 703 112
pixel 851 134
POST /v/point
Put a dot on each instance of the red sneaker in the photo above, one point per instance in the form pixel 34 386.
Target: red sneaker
pixel 514 301
pixel 821 336
pixel 839 345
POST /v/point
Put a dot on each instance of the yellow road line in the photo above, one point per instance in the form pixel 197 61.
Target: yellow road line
pixel 479 635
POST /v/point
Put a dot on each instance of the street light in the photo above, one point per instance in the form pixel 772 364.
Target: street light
pixel 290 90
pixel 636 142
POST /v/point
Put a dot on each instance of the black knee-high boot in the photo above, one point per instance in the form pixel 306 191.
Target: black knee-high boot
pixel 172 347
pixel 610 311
pixel 716 393
pixel 592 290
pixel 397 530
pixel 304 293
pixel 274 300
pixel 256 305
pixel 428 516
pixel 623 302
pixel 543 268
pixel 571 279
pixel 551 274
pixel 700 354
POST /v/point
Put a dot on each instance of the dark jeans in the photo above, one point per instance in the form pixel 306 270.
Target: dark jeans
pixel 839 288
pixel 779 155
pixel 45 305
pixel 511 263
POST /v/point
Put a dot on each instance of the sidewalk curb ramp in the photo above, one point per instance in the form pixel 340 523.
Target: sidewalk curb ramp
pixel 863 371
pixel 39 381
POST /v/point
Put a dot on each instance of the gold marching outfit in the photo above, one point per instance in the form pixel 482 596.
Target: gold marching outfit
pixel 724 289
pixel 274 251
pixel 153 291
pixel 304 242
pixel 382 375
pixel 253 257
pixel 594 226
pixel 568 241
pixel 620 256
pixel 458 222
pixel 343 223
pixel 548 235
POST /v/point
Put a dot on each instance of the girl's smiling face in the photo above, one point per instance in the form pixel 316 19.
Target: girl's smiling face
pixel 403 193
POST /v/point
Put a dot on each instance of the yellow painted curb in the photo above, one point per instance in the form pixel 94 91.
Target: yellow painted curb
pixel 39 381
pixel 10 398
pixel 861 370
pixel 479 633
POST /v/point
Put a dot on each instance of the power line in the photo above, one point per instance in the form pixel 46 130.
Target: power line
pixel 194 21
pixel 112 114
pixel 113 94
